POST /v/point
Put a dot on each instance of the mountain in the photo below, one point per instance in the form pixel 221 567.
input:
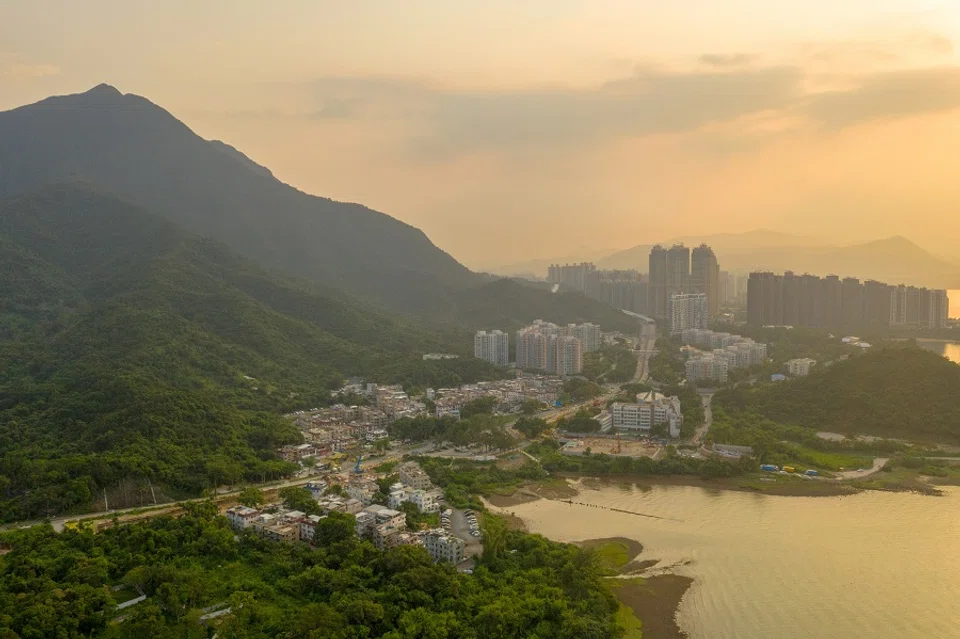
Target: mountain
pixel 128 146
pixel 893 260
pixel 749 242
pixel 132 349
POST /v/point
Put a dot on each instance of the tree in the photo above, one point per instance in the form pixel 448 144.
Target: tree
pixel 494 538
pixel 252 497
pixel 480 406
pixel 531 427
pixel 296 498
pixel 334 489
pixel 335 528
pixel 531 407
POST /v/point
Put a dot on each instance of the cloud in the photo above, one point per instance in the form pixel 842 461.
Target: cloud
pixel 644 103
pixel 724 100
pixel 13 66
pixel 726 60
pixel 893 94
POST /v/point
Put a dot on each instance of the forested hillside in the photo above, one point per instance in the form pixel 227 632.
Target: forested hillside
pixel 131 349
pixel 62 586
pixel 896 391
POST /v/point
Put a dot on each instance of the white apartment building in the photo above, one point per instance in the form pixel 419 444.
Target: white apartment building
pixel 493 347
pixel 543 346
pixel 707 367
pixel 588 334
pixel 651 409
pixel 688 310
pixel 444 547
pixel 532 349
pixel 568 359
pixel 800 367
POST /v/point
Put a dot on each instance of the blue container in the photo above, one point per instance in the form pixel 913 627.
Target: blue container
pixel 770 468
pixel 812 473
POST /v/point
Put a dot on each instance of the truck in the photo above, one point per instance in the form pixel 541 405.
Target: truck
pixel 770 468
pixel 811 473
pixel 788 469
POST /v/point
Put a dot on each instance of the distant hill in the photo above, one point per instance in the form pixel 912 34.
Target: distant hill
pixel 128 146
pixel 897 391
pixel 893 260
pixel 130 348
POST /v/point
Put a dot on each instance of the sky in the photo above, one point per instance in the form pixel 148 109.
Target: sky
pixel 525 129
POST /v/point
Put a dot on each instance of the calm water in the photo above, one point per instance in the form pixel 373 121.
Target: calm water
pixel 868 565
pixel 951 350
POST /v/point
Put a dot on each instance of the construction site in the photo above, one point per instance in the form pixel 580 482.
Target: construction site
pixel 613 446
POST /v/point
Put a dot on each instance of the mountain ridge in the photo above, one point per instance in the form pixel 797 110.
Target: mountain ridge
pixel 894 260
pixel 130 147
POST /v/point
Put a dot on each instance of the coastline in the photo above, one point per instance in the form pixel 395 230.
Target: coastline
pixel 650 593
pixel 648 601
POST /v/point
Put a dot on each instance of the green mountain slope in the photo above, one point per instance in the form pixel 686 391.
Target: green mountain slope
pixel 134 350
pixel 901 392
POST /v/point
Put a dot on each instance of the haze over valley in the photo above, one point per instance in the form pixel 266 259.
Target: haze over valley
pixel 548 319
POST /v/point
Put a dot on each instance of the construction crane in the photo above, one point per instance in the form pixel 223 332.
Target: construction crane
pixel 356 469
pixel 617 447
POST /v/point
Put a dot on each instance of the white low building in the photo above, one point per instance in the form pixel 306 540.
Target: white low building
pixel 651 409
pixel 444 547
pixel 800 367
pixel 242 517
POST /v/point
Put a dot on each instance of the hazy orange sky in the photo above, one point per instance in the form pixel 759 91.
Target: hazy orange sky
pixel 541 128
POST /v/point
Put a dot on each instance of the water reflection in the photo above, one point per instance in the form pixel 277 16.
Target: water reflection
pixel 950 350
pixel 804 567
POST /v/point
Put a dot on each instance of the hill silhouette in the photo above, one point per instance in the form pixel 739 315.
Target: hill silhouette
pixel 128 146
pixel 894 260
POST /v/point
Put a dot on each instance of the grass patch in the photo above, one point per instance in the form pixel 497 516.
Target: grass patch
pixel 386 467
pixel 633 627
pixel 613 554
pixel 831 461
pixel 124 594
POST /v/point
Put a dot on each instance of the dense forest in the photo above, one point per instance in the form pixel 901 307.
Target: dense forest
pixel 133 351
pixel 137 357
pixel 67 586
pixel 898 391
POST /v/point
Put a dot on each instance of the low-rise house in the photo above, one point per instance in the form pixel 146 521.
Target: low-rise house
pixel 800 367
pixel 308 527
pixel 296 453
pixel 381 525
pixel 241 517
pixel 443 546
pixel 282 532
pixel 413 476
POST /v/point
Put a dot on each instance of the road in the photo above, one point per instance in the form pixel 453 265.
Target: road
pixel 878 464
pixel 707 399
pixel 645 351
pixel 461 528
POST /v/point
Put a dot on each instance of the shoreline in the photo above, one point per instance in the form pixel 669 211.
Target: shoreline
pixel 652 599
pixel 649 594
